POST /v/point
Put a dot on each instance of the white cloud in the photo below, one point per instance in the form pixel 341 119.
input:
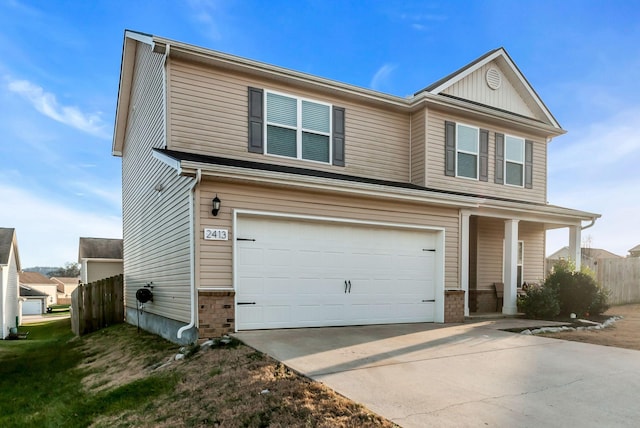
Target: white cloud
pixel 380 79
pixel 48 232
pixel 47 104
pixel 207 13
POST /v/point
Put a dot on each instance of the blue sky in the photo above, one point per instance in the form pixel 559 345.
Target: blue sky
pixel 60 64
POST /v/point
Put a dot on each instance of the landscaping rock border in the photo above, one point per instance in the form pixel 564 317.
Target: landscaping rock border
pixel 595 326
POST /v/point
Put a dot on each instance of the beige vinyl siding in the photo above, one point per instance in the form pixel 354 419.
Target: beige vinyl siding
pixel 435 162
pixel 490 254
pixel 208 116
pixel 102 269
pixel 474 87
pixel 418 132
pixel 155 223
pixel 216 256
pixel 533 235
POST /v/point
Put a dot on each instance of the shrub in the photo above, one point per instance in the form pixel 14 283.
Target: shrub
pixel 577 292
pixel 539 302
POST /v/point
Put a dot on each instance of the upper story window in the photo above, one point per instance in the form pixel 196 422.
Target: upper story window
pixel 466 151
pixel 467 145
pixel 289 126
pixel 298 128
pixel 514 160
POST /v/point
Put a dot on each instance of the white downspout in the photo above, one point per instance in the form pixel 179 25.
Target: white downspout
pixel 192 256
pixel 593 221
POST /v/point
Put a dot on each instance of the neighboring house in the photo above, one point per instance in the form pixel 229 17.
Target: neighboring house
pixel 37 281
pixel 635 251
pixel 9 268
pixel 99 258
pixel 589 257
pixel 34 302
pixel 65 286
pixel 257 197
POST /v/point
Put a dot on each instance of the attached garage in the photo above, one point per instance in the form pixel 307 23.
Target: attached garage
pixel 310 272
pixel 32 306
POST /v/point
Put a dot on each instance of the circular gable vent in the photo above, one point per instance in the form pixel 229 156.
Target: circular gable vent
pixel 494 78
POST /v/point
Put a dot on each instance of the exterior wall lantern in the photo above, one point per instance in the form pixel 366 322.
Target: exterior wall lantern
pixel 216 205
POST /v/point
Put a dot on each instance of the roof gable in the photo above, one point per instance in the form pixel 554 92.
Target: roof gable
pixel 494 80
pixel 34 278
pixel 100 248
pixel 8 241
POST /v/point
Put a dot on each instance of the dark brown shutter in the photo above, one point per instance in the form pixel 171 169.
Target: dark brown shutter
pixel 528 164
pixel 484 155
pixel 499 159
pixel 256 120
pixel 450 149
pixel 338 136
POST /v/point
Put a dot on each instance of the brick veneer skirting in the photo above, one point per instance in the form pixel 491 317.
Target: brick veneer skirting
pixel 483 301
pixel 216 315
pixel 453 306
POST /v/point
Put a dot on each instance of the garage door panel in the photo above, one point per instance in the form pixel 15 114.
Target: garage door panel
pixel 304 266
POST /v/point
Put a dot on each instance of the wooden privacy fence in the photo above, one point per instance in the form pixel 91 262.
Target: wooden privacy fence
pixel 97 305
pixel 622 277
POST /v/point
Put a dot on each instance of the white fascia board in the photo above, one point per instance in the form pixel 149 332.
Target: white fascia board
pixel 466 72
pixel 168 160
pixel 102 260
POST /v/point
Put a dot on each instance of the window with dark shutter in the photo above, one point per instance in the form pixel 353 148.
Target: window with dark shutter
pixel 338 136
pixel 528 164
pixel 484 155
pixel 499 170
pixel 450 149
pixel 256 120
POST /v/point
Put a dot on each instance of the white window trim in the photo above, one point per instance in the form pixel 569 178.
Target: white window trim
pixel 299 129
pixel 476 154
pixel 520 264
pixel 520 163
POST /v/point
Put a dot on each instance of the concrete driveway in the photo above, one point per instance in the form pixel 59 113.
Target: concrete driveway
pixel 471 374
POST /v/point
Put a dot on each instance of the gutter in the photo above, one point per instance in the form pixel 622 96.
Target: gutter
pixel 192 256
pixel 593 221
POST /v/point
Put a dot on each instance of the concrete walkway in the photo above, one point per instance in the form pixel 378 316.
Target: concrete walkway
pixel 470 374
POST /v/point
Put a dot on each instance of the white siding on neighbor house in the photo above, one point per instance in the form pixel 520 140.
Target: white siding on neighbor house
pixel 435 174
pixel 474 88
pixel 215 257
pixel 10 295
pixel 208 115
pixel 155 222
pixel 490 251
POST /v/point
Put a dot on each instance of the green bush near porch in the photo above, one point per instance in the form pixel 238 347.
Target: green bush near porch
pixel 564 292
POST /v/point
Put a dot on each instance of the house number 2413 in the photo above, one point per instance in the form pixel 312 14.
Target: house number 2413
pixel 216 234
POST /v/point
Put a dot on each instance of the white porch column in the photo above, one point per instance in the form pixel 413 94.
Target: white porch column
pixel 464 259
pixel 575 245
pixel 510 306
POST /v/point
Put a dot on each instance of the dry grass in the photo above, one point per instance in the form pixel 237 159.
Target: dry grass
pixel 622 334
pixel 231 386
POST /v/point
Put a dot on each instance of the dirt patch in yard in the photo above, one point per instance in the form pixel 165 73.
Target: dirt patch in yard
pixel 225 386
pixel 624 333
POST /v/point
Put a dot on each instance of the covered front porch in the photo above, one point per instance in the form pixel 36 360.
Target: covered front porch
pixel 501 251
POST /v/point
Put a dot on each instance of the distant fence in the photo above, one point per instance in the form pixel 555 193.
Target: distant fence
pixel 97 305
pixel 622 277
pixel 64 300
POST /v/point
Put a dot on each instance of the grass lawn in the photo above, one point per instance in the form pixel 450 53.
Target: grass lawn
pixel 41 382
pixel 118 377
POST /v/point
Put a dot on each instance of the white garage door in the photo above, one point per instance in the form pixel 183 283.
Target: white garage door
pixel 293 273
pixel 32 307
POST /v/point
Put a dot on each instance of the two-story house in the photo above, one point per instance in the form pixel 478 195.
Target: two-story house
pixel 257 197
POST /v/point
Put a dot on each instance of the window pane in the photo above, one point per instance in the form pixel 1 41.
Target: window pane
pixel 514 149
pixel 514 174
pixel 282 110
pixel 467 165
pixel 315 147
pixel 281 141
pixel 315 117
pixel 467 139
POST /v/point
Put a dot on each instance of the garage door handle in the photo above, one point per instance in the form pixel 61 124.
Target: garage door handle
pixel 246 303
pixel 349 286
pixel 345 286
